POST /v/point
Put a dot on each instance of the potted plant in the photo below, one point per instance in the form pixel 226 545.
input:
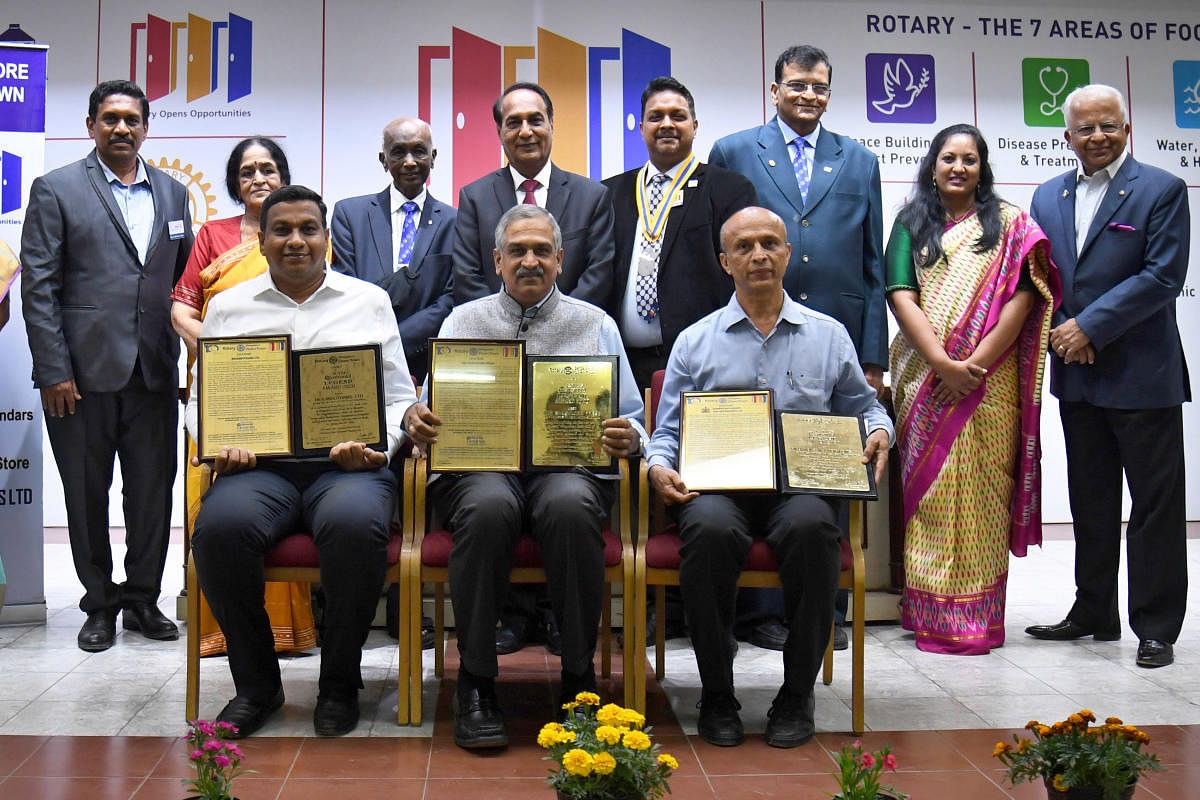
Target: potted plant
pixel 604 753
pixel 859 771
pixel 1078 760
pixel 216 760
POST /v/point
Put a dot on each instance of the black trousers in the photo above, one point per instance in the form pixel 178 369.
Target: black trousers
pixel 243 515
pixel 717 531
pixel 486 512
pixel 1147 445
pixel 139 427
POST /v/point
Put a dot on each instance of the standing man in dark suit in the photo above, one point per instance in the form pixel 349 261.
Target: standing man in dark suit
pixel 525 123
pixel 400 239
pixel 1119 231
pixel 667 222
pixel 825 187
pixel 105 239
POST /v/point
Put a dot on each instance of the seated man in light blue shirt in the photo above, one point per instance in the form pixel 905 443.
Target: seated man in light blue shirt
pixel 761 340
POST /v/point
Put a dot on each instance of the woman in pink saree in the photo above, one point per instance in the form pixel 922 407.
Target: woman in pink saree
pixel 971 284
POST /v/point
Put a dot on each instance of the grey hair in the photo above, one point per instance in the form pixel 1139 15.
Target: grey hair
pixel 1099 89
pixel 523 211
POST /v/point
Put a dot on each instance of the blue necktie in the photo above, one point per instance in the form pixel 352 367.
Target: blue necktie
pixel 800 165
pixel 408 235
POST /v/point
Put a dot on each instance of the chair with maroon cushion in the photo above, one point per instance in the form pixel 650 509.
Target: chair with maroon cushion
pixel 658 561
pixel 427 550
pixel 295 558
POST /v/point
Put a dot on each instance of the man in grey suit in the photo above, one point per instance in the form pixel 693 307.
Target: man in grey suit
pixel 400 239
pixel 524 118
pixel 1119 232
pixel 105 239
pixel 825 187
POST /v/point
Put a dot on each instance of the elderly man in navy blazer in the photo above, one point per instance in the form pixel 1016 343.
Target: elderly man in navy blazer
pixel 401 238
pixel 1119 232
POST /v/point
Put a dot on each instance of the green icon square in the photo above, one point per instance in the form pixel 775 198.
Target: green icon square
pixel 1045 83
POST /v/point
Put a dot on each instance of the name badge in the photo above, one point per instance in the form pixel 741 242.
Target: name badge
pixel 175 228
pixel 646 265
pixel 677 200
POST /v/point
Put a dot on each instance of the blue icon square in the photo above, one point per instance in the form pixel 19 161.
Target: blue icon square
pixel 901 88
pixel 1187 94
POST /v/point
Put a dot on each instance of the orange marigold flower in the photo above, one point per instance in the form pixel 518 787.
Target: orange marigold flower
pixel 1001 748
pixel 1087 714
pixel 1033 724
pixel 1113 721
pixel 1024 746
pixel 1060 784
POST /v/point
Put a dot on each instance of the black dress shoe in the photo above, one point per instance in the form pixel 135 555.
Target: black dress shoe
pixel 550 635
pixel 840 640
pixel 1069 629
pixel 336 714
pixel 99 630
pixel 478 723
pixel 248 716
pixel 1155 653
pixel 719 722
pixel 426 633
pixel 152 623
pixel 790 720
pixel 511 638
pixel 771 635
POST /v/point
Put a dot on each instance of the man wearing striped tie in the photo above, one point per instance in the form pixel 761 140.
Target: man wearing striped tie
pixel 400 238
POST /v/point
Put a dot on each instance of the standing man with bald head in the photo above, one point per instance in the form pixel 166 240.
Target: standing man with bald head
pixel 401 238
pixel 1119 232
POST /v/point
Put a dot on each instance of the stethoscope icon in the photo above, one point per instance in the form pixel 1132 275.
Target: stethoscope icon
pixel 1052 105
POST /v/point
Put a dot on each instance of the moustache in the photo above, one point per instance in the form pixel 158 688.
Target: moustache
pixel 530 272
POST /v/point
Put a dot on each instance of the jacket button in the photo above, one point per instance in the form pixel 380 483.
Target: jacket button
pixel 804 223
pixel 804 259
pixel 804 295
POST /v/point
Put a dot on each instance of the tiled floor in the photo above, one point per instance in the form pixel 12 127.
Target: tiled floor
pixel 103 725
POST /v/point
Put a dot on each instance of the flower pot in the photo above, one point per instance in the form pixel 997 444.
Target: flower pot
pixel 562 796
pixel 1085 792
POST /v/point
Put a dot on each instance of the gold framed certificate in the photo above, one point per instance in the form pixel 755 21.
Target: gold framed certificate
pixel 338 398
pixel 822 454
pixel 569 399
pixel 477 388
pixel 726 441
pixel 242 395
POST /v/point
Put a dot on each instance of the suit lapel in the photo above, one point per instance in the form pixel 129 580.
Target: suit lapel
pixel 104 192
pixel 506 195
pixel 828 160
pixel 777 162
pixel 379 218
pixel 1066 213
pixel 1119 190
pixel 431 220
pixel 158 191
pixel 558 193
pixel 678 214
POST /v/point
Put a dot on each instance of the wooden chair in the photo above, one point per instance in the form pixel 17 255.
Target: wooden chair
pixel 658 560
pixel 427 555
pixel 295 558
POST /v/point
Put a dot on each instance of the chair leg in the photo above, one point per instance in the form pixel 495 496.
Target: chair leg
pixel 606 633
pixel 827 670
pixel 403 671
pixel 660 631
pixel 858 630
pixel 415 665
pixel 439 629
pixel 192 697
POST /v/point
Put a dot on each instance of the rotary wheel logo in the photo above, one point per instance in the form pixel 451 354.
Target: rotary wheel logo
pixel 198 191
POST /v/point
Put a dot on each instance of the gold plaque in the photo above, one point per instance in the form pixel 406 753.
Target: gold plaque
pixel 822 454
pixel 338 396
pixel 726 441
pixel 476 387
pixel 242 395
pixel 569 399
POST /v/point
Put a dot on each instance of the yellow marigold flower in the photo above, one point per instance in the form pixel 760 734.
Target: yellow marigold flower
pixel 636 740
pixel 1060 784
pixel 1087 714
pixel 1113 721
pixel 1033 724
pixel 571 706
pixel 1024 746
pixel 588 698
pixel 548 735
pixel 609 714
pixel 578 762
pixel 564 736
pixel 608 734
pixel 1001 748
pixel 632 718
pixel 669 760
pixel 603 763
pixel 1044 730
pixel 1075 719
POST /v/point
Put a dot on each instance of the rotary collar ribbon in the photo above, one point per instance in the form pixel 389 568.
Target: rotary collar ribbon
pixel 654 223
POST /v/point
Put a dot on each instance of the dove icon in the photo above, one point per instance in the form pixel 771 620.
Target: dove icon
pixel 899 87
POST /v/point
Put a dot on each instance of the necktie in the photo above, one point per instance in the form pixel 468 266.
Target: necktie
pixel 646 299
pixel 800 165
pixel 528 186
pixel 408 234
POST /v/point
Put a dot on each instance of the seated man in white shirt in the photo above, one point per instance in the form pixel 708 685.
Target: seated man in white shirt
pixel 346 500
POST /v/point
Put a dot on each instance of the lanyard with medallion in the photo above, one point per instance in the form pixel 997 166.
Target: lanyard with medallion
pixel 653 223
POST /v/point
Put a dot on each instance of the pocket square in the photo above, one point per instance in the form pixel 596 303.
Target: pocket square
pixel 1117 226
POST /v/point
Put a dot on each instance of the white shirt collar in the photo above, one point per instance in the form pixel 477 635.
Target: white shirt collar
pixel 543 176
pixel 266 285
pixel 672 173
pixel 789 135
pixel 398 199
pixel 1111 169
pixel 140 177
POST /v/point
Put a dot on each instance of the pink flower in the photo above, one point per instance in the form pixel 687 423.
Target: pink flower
pixel 229 726
pixel 857 744
pixel 213 744
pixel 889 761
pixel 196 755
pixel 205 727
pixel 236 752
pixel 868 760
pixel 222 760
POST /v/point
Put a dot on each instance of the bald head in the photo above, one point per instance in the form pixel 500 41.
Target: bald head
pixel 755 253
pixel 753 216
pixel 408 154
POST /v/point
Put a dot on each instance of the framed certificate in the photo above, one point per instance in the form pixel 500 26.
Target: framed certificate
pixel 822 454
pixel 726 441
pixel 243 398
pixel 477 388
pixel 256 392
pixel 569 397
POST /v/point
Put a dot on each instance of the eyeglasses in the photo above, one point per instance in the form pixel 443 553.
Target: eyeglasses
pixel 800 87
pixel 1086 131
